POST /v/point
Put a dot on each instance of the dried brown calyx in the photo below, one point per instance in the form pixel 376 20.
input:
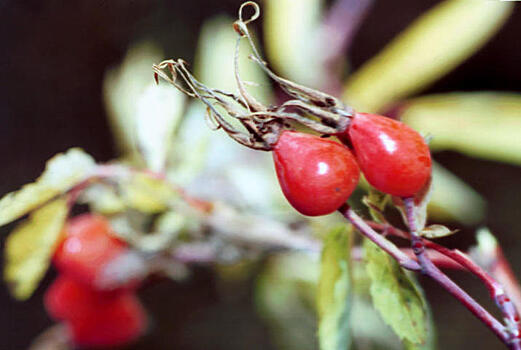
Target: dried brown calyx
pixel 262 125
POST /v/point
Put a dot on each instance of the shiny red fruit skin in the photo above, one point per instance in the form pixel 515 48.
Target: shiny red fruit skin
pixel 87 247
pixel 67 299
pixel 118 322
pixel 393 157
pixel 316 175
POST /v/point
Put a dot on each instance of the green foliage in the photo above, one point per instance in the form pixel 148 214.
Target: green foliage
pixel 396 296
pixel 478 124
pixel 62 172
pixel 433 45
pixel 30 246
pixel 284 296
pixel 333 291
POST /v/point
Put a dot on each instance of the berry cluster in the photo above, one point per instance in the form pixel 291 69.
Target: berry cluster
pixel 318 175
pixel 96 314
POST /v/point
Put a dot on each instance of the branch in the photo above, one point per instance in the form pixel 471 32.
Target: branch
pixel 386 245
pixel 429 269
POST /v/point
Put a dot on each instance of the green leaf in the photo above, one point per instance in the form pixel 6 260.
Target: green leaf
pixel 62 172
pixel 30 246
pixel 429 48
pixel 292 39
pixel 395 296
pixel 479 124
pixel 148 194
pixel 333 293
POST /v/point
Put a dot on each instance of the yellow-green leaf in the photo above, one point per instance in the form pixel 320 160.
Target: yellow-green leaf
pixel 395 296
pixel 433 45
pixel 148 194
pixel 333 292
pixel 479 124
pixel 437 231
pixel 453 199
pixel 102 198
pixel 292 39
pixel 62 172
pixel 30 246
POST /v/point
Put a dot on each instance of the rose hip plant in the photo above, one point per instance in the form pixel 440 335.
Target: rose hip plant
pixel 330 155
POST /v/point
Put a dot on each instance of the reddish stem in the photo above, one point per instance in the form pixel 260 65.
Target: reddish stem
pixel 379 240
pixel 429 269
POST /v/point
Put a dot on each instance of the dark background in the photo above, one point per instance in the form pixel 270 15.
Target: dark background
pixel 54 55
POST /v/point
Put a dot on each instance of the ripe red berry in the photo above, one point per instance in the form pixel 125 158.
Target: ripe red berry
pixel 87 248
pixel 118 322
pixel 316 175
pixel 393 157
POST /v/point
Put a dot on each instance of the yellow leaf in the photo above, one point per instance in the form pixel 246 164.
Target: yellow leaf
pixel 30 246
pixel 433 45
pixel 291 36
pixel 482 124
pixel 453 199
pixel 62 172
pixel 147 194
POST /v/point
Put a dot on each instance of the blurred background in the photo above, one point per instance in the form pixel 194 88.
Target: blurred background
pixel 56 55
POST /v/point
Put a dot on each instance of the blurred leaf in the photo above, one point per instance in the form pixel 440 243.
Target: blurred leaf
pixel 102 198
pixel 148 194
pixel 479 124
pixel 158 112
pixel 123 87
pixel 437 231
pixel 394 294
pixel 433 45
pixel 62 172
pixel 285 296
pixel 292 39
pixel 453 199
pixel 333 292
pixel 215 59
pixel 30 246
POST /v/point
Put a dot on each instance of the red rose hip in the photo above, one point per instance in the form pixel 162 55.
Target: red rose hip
pixel 87 248
pixel 67 299
pixel 316 175
pixel 118 322
pixel 393 157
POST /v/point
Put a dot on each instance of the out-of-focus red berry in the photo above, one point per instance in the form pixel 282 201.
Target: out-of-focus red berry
pixel 118 322
pixel 68 299
pixel 87 248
